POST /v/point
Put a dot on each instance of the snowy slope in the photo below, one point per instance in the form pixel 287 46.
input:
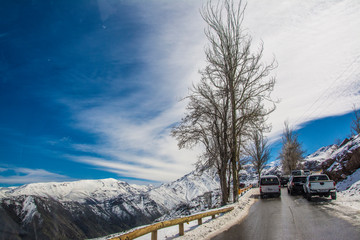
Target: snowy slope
pixel 185 189
pixel 336 161
pixel 350 184
pixel 87 204
pixel 100 190
pixel 125 206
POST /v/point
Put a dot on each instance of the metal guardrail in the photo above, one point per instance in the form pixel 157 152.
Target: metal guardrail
pixel 179 221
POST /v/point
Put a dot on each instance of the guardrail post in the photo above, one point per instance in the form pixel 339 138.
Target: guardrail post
pixel 181 229
pixel 199 221
pixel 154 235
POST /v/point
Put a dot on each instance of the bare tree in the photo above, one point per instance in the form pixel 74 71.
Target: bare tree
pixel 291 153
pixel 206 122
pixel 234 68
pixel 355 124
pixel 229 101
pixel 259 152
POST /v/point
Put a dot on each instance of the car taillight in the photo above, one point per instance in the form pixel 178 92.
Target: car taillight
pixel 334 184
pixel 292 184
pixel 309 185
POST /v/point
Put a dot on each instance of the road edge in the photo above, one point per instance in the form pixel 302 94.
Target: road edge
pixel 212 228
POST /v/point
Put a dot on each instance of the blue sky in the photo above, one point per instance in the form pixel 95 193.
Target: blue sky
pixel 90 89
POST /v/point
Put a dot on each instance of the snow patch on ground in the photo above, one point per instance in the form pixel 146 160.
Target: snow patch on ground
pixel 209 228
pixel 224 222
pixel 347 204
pixel 29 209
pixel 351 196
pixel 348 181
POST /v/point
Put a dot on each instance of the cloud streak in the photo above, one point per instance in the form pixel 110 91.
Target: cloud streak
pixel 13 176
pixel 314 42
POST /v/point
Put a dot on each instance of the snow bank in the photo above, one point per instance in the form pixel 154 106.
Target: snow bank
pixel 349 191
pixel 224 222
pixel 349 181
pixel 209 228
pixel 347 204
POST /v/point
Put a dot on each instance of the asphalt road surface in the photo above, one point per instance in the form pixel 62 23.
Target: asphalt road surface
pixel 290 217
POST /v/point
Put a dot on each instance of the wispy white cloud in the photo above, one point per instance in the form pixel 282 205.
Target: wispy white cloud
pixel 26 175
pixel 136 149
pixel 315 44
pixel 134 132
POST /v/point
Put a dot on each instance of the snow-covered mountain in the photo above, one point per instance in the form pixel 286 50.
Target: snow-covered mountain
pixel 92 208
pixel 338 161
pixel 79 191
pixel 77 210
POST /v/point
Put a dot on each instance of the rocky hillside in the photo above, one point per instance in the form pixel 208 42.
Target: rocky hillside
pixel 338 161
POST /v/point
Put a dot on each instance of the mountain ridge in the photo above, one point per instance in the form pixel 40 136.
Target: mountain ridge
pixel 93 208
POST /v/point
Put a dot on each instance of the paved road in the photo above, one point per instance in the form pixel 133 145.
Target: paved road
pixel 290 217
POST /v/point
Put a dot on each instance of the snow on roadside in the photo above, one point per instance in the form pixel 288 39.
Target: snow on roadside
pixel 347 204
pixel 349 191
pixel 224 222
pixel 208 228
pixel 348 181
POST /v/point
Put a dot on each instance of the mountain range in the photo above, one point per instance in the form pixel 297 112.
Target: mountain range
pixel 94 208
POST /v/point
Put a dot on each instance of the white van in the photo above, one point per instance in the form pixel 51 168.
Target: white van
pixel 269 185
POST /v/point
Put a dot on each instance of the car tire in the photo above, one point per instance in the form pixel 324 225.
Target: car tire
pixel 333 196
pixel 308 197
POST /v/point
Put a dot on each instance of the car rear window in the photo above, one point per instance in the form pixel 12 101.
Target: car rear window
pixel 269 181
pixel 299 179
pixel 319 178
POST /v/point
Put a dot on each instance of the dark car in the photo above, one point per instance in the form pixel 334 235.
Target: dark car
pixel 284 180
pixel 295 184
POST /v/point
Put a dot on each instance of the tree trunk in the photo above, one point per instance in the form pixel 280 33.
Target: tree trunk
pixel 224 187
pixel 235 180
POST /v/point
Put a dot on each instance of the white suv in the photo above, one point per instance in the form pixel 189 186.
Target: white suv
pixel 269 185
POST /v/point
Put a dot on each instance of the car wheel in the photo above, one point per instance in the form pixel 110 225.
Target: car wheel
pixel 333 196
pixel 308 197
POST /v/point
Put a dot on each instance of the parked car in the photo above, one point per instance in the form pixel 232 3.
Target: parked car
pixel 307 172
pixel 295 184
pixel 269 186
pixel 297 172
pixel 284 180
pixel 319 185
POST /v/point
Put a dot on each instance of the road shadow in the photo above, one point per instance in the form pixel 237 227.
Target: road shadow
pixel 320 201
pixel 255 196
pixel 266 197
